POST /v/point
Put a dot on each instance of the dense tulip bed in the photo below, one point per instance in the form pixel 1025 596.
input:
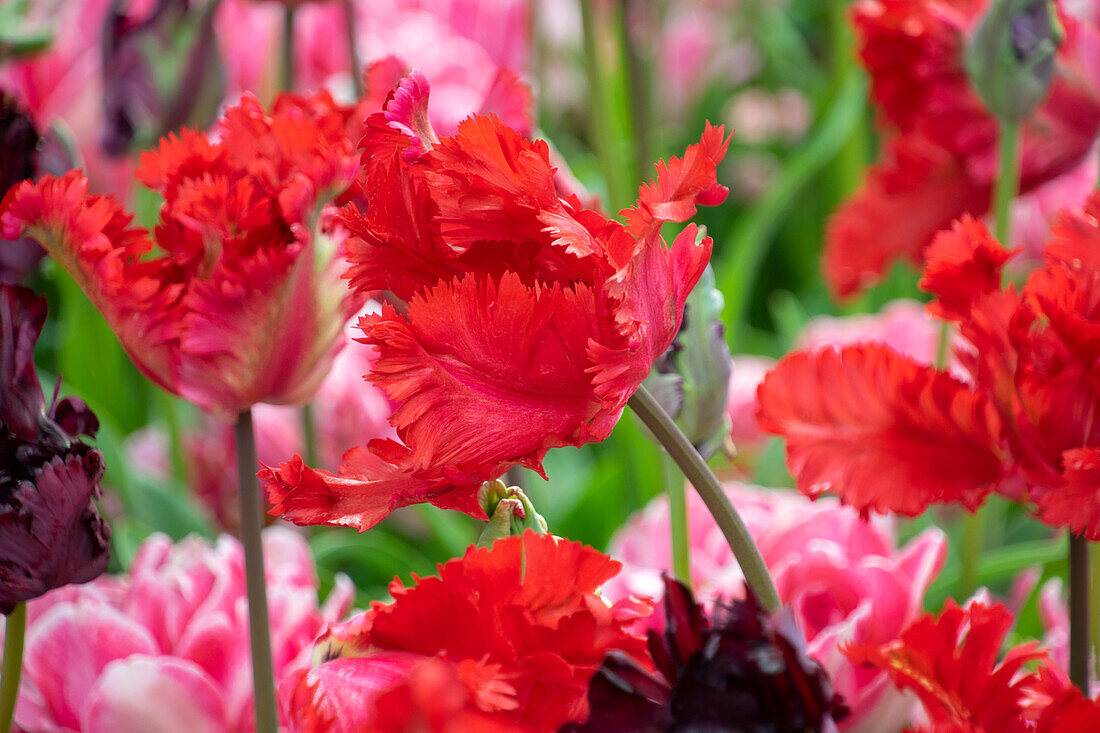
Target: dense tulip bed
pixel 361 373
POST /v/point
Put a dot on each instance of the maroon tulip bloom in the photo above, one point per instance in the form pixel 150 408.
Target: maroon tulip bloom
pixel 741 670
pixel 50 531
pixel 19 141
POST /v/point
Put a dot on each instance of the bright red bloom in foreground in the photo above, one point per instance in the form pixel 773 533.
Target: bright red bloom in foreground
pixel 890 434
pixel 530 321
pixel 940 158
pixel 506 637
pixel 951 664
pixel 242 301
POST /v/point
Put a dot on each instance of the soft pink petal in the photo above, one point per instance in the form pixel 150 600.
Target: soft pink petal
pixel 143 694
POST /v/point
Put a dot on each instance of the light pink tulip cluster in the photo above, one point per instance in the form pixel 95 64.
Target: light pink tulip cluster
pixel 845 579
pixel 165 648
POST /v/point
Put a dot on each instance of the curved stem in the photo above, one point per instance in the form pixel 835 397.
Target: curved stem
pixel 677 519
pixel 263 676
pixel 1079 642
pixel 706 483
pixel 15 628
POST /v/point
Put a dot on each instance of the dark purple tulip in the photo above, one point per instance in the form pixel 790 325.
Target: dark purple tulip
pixel 18 160
pixel 741 671
pixel 50 531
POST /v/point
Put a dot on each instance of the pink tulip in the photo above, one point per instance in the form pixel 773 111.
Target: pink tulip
pixel 904 325
pixel 843 577
pixel 346 410
pixel 747 374
pixel 165 647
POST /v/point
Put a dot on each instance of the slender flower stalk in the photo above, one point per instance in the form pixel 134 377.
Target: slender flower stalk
pixel 975 525
pixel 1008 184
pixel 602 134
pixel 309 433
pixel 1094 592
pixel 286 68
pixel 677 519
pixel 706 483
pixel 1079 641
pixel 635 20
pixel 15 629
pixel 263 679
pixel 353 52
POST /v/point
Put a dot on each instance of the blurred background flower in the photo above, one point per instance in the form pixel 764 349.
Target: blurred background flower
pixel 845 580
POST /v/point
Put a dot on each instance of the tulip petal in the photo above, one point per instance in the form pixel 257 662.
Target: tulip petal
pixel 165 694
pixel 916 191
pixel 881 430
pixel 69 648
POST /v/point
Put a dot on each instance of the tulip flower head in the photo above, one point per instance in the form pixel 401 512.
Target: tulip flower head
pixel 529 321
pixel 525 629
pixel 235 298
pixel 950 662
pixel 739 665
pixel 891 434
pixel 50 531
pixel 940 159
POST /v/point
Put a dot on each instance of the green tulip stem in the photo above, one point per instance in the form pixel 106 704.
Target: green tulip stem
pixel 286 67
pixel 1079 642
pixel 1008 179
pixel 677 519
pixel 714 496
pixel 252 523
pixel 353 52
pixel 15 628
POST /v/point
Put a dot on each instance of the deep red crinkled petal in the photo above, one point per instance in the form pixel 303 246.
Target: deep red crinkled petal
pixel 491 186
pixel 914 192
pixel 22 315
pixel 485 372
pixel 951 664
pixel 881 430
pixel 681 185
pixel 1076 505
pixel 964 263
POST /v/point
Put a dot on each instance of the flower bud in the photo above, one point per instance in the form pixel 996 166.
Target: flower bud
pixel 509 510
pixel 691 379
pixel 1011 59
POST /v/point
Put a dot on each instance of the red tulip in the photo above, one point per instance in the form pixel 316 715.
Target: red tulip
pixel 529 321
pixel 236 298
pixel 940 159
pixel 951 664
pixel 891 434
